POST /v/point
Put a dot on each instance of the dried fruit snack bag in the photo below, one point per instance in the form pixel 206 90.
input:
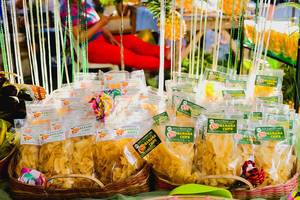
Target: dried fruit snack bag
pixel 216 154
pixel 274 155
pixel 235 88
pixel 114 156
pixel 55 154
pixel 30 144
pixel 173 158
pixel 116 80
pixel 268 83
pixel 81 134
pixel 213 85
pixel 40 112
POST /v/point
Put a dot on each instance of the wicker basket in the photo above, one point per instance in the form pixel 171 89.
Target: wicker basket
pixel 138 183
pixel 268 192
pixel 4 164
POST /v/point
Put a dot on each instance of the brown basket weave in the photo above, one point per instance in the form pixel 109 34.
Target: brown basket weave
pixel 268 192
pixel 4 164
pixel 133 185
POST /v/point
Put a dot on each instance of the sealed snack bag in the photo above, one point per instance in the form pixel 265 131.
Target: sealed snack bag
pixel 116 80
pixel 275 156
pixel 55 154
pixel 114 157
pixel 81 134
pixel 170 148
pixel 213 85
pixel 268 83
pixel 217 154
pixel 40 112
pixel 235 88
pixel 30 144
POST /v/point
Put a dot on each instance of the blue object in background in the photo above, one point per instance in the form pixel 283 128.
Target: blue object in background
pixel 145 20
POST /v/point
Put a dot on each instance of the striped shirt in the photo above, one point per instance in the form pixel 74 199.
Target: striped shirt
pixel 83 15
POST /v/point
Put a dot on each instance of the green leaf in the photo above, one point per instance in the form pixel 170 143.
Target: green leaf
pixel 289 4
pixel 190 189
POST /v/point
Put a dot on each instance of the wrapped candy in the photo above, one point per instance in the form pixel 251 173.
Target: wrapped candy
pixel 32 177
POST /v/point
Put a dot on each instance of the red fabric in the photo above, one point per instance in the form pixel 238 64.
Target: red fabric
pixel 137 53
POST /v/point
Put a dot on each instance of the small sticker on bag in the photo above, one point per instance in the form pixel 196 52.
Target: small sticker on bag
pixel 270 133
pixel 161 118
pixel 147 143
pixel 189 108
pixel 222 126
pixel 179 134
pixel 268 81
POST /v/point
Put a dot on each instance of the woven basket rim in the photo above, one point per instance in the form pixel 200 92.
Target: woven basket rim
pixel 11 167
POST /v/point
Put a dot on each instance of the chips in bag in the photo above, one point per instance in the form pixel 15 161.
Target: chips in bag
pixel 81 133
pixel 114 157
pixel 55 154
pixel 274 155
pixel 268 83
pixel 173 159
pixel 30 144
pixel 217 154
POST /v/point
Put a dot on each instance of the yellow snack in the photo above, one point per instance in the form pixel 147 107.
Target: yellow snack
pixel 82 160
pixel 54 160
pixel 116 160
pixel 277 160
pixel 28 158
pixel 173 161
pixel 217 155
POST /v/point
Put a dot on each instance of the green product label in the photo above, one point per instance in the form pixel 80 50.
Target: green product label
pixel 269 81
pixel 179 134
pixel 233 94
pixel 256 116
pixel 270 133
pixel 147 143
pixel 222 126
pixel 246 137
pixel 216 76
pixel 236 83
pixel 189 108
pixel 161 118
pixel 247 115
pixel 273 99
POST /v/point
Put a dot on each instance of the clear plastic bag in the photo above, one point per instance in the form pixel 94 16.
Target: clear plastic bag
pixel 275 156
pixel 217 154
pixel 114 156
pixel 268 83
pixel 55 154
pixel 30 144
pixel 213 85
pixel 173 158
pixel 81 133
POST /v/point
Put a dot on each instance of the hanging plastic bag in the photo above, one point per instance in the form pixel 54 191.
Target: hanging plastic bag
pixel 30 144
pixel 81 134
pixel 213 86
pixel 55 154
pixel 173 158
pixel 114 156
pixel 275 156
pixel 268 83
pixel 217 154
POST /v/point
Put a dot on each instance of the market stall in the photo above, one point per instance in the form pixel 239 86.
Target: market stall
pixel 207 133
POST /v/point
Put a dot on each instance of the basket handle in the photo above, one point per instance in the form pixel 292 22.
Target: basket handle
pixel 238 178
pixel 99 183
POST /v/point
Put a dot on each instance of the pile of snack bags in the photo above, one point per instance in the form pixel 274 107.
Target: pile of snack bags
pixel 109 125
